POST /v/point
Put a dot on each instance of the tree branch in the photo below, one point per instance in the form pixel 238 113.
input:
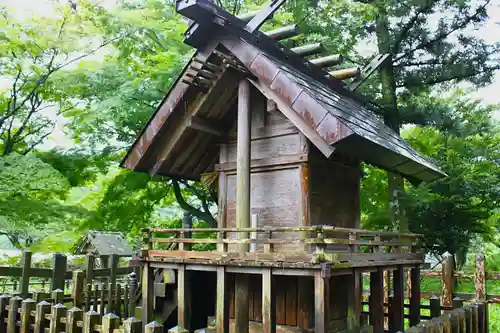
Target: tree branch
pixel 443 35
pixel 407 27
pixel 187 207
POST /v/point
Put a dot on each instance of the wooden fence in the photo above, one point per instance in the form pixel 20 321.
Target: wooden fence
pixel 58 277
pixel 448 276
pixel 51 316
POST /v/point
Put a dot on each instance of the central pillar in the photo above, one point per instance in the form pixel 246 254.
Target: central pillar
pixel 242 201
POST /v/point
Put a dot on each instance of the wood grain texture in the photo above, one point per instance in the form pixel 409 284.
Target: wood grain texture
pixel 269 302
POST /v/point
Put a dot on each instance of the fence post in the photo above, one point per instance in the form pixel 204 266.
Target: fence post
pixel 14 305
pixel 58 311
pixel 132 325
pixel 102 306
pixel 112 281
pixel 447 279
pixel 435 306
pixel 59 263
pixel 42 309
pixel 481 292
pixel 109 323
pixel 73 316
pixel 133 285
pixel 154 327
pixel 58 296
pixel 118 300
pixel 77 293
pixel 4 302
pixel 481 315
pixel 187 223
pixel 90 319
pixel 457 303
pixel 27 306
pixel 25 275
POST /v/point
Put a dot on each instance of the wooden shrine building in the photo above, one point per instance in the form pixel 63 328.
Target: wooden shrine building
pixel 285 138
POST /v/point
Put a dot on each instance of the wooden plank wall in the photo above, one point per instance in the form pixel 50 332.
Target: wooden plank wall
pixel 277 152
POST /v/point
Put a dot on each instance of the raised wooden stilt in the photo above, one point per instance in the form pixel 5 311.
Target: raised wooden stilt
pixel 241 315
pixel 147 284
pixel 321 302
pixel 353 302
pixel 415 296
pixel 398 302
pixel 222 313
pixel 183 299
pixel 268 302
pixel 377 300
pixel 242 200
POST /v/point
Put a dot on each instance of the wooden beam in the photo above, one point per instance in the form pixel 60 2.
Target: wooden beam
pixel 368 70
pixel 183 298
pixel 321 303
pixel 284 32
pixel 243 162
pixel 242 200
pixel 331 60
pixel 346 73
pixel 309 49
pixel 415 296
pixel 399 298
pixel 222 312
pixel 353 302
pixel 241 294
pixel 147 286
pixel 295 119
pixel 264 14
pixel 268 302
pixel 206 126
pixel 377 300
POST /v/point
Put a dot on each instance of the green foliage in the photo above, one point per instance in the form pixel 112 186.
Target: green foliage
pixel 451 211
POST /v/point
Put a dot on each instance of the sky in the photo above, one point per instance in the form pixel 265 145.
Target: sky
pixel 24 8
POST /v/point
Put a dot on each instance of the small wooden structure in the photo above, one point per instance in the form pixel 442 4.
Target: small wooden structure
pixel 103 244
pixel 286 139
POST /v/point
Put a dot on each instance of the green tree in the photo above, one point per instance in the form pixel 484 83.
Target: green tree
pixel 455 210
pixel 430 43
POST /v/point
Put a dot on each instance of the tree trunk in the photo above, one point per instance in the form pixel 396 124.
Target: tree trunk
pixel 391 118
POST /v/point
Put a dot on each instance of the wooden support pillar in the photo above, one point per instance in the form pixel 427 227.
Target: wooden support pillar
pixel 447 277
pixel 268 302
pixel 377 300
pixel 147 285
pixel 243 162
pixel 242 200
pixel 399 298
pixel 222 313
pixel 241 315
pixel 321 302
pixel 415 296
pixel 183 299
pixel 354 302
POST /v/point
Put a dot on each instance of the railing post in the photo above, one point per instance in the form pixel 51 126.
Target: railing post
pixel 187 223
pixel 447 279
pixel 435 306
pixel 58 311
pixel 253 234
